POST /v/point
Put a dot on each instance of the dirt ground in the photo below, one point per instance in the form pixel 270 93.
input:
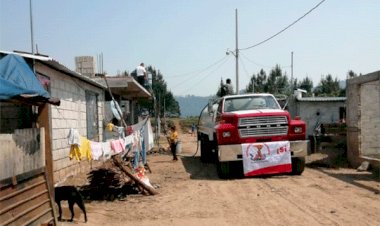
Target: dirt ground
pixel 190 193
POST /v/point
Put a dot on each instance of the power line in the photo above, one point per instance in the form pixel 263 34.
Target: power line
pixel 253 62
pixel 226 59
pixel 285 27
pixel 262 65
pixel 198 71
pixel 245 69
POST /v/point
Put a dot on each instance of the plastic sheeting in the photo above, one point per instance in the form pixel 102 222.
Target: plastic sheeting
pixel 17 78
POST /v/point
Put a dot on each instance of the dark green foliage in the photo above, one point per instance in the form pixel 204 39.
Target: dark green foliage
pixel 165 101
pixel 306 84
pixel 257 83
pixel 351 74
pixel 276 83
pixel 328 87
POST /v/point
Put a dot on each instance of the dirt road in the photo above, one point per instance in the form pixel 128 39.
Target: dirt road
pixel 192 194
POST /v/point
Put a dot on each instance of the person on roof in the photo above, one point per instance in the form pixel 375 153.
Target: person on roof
pixel 142 76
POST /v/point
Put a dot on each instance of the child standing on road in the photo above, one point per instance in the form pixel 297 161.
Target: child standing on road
pixel 173 138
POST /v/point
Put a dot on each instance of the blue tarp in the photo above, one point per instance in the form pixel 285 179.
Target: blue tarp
pixel 16 78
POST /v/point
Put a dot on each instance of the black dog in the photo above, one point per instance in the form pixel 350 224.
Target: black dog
pixel 72 195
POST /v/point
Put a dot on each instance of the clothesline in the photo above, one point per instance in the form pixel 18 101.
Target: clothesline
pixel 136 143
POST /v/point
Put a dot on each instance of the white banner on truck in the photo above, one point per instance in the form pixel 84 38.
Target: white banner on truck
pixel 266 158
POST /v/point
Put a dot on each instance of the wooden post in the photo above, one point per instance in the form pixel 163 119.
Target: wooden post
pixel 52 198
pixel 117 160
pixel 44 121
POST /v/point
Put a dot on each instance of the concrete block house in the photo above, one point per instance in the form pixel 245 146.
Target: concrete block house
pixel 317 110
pixel 81 108
pixel 363 119
pixel 84 106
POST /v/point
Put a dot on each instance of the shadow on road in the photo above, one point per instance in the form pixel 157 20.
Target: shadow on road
pixel 355 179
pixel 199 170
pixel 334 159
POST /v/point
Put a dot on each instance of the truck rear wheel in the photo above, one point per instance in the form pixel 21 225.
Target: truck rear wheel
pixel 205 151
pixel 298 165
pixel 223 169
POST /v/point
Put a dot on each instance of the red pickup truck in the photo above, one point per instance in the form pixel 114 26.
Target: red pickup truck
pixel 229 122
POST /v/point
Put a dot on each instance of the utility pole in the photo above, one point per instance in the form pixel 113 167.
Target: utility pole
pixel 237 52
pixel 291 75
pixel 31 25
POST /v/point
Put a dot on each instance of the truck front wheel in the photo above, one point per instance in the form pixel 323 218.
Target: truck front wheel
pixel 298 165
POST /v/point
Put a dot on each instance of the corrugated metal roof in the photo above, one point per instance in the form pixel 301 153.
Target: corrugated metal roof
pixel 48 61
pixel 64 69
pixel 322 99
pixel 125 86
pixel 117 84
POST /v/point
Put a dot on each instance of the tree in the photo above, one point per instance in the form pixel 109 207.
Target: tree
pixel 257 83
pixel 282 85
pixel 328 87
pixel 277 83
pixel 306 84
pixel 164 99
pixel 351 74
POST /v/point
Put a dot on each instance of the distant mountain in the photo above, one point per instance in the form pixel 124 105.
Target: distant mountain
pixel 191 105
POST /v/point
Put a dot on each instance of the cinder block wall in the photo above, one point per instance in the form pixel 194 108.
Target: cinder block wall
pixel 322 112
pixel 363 118
pixel 70 114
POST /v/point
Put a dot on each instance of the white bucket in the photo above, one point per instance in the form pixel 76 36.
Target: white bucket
pixel 178 147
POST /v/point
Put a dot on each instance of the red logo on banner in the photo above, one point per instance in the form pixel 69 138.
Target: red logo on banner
pixel 257 151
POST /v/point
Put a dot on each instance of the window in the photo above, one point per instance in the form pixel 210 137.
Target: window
pixel 92 116
pixel 250 103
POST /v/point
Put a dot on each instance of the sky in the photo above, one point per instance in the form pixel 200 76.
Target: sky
pixel 187 40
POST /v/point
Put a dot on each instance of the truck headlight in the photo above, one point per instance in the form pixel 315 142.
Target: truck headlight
pixel 297 129
pixel 226 134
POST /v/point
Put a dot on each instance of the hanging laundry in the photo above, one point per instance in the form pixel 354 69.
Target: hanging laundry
pixel 138 126
pixel 145 128
pixel 148 136
pixel 73 137
pixel 129 130
pixel 142 145
pixel 128 140
pixel 81 152
pixel 120 131
pixel 106 149
pixel 117 146
pixel 136 147
pixel 96 150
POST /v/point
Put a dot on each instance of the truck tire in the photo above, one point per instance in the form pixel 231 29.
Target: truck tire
pixel 298 165
pixel 223 169
pixel 205 151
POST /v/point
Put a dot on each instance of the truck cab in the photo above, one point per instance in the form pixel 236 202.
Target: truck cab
pixel 229 122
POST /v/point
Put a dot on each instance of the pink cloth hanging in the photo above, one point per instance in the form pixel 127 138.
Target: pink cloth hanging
pixel 118 146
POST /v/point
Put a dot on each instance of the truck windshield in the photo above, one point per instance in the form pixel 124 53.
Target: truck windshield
pixel 250 103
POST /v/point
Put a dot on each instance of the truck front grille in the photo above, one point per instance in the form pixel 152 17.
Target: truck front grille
pixel 263 126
